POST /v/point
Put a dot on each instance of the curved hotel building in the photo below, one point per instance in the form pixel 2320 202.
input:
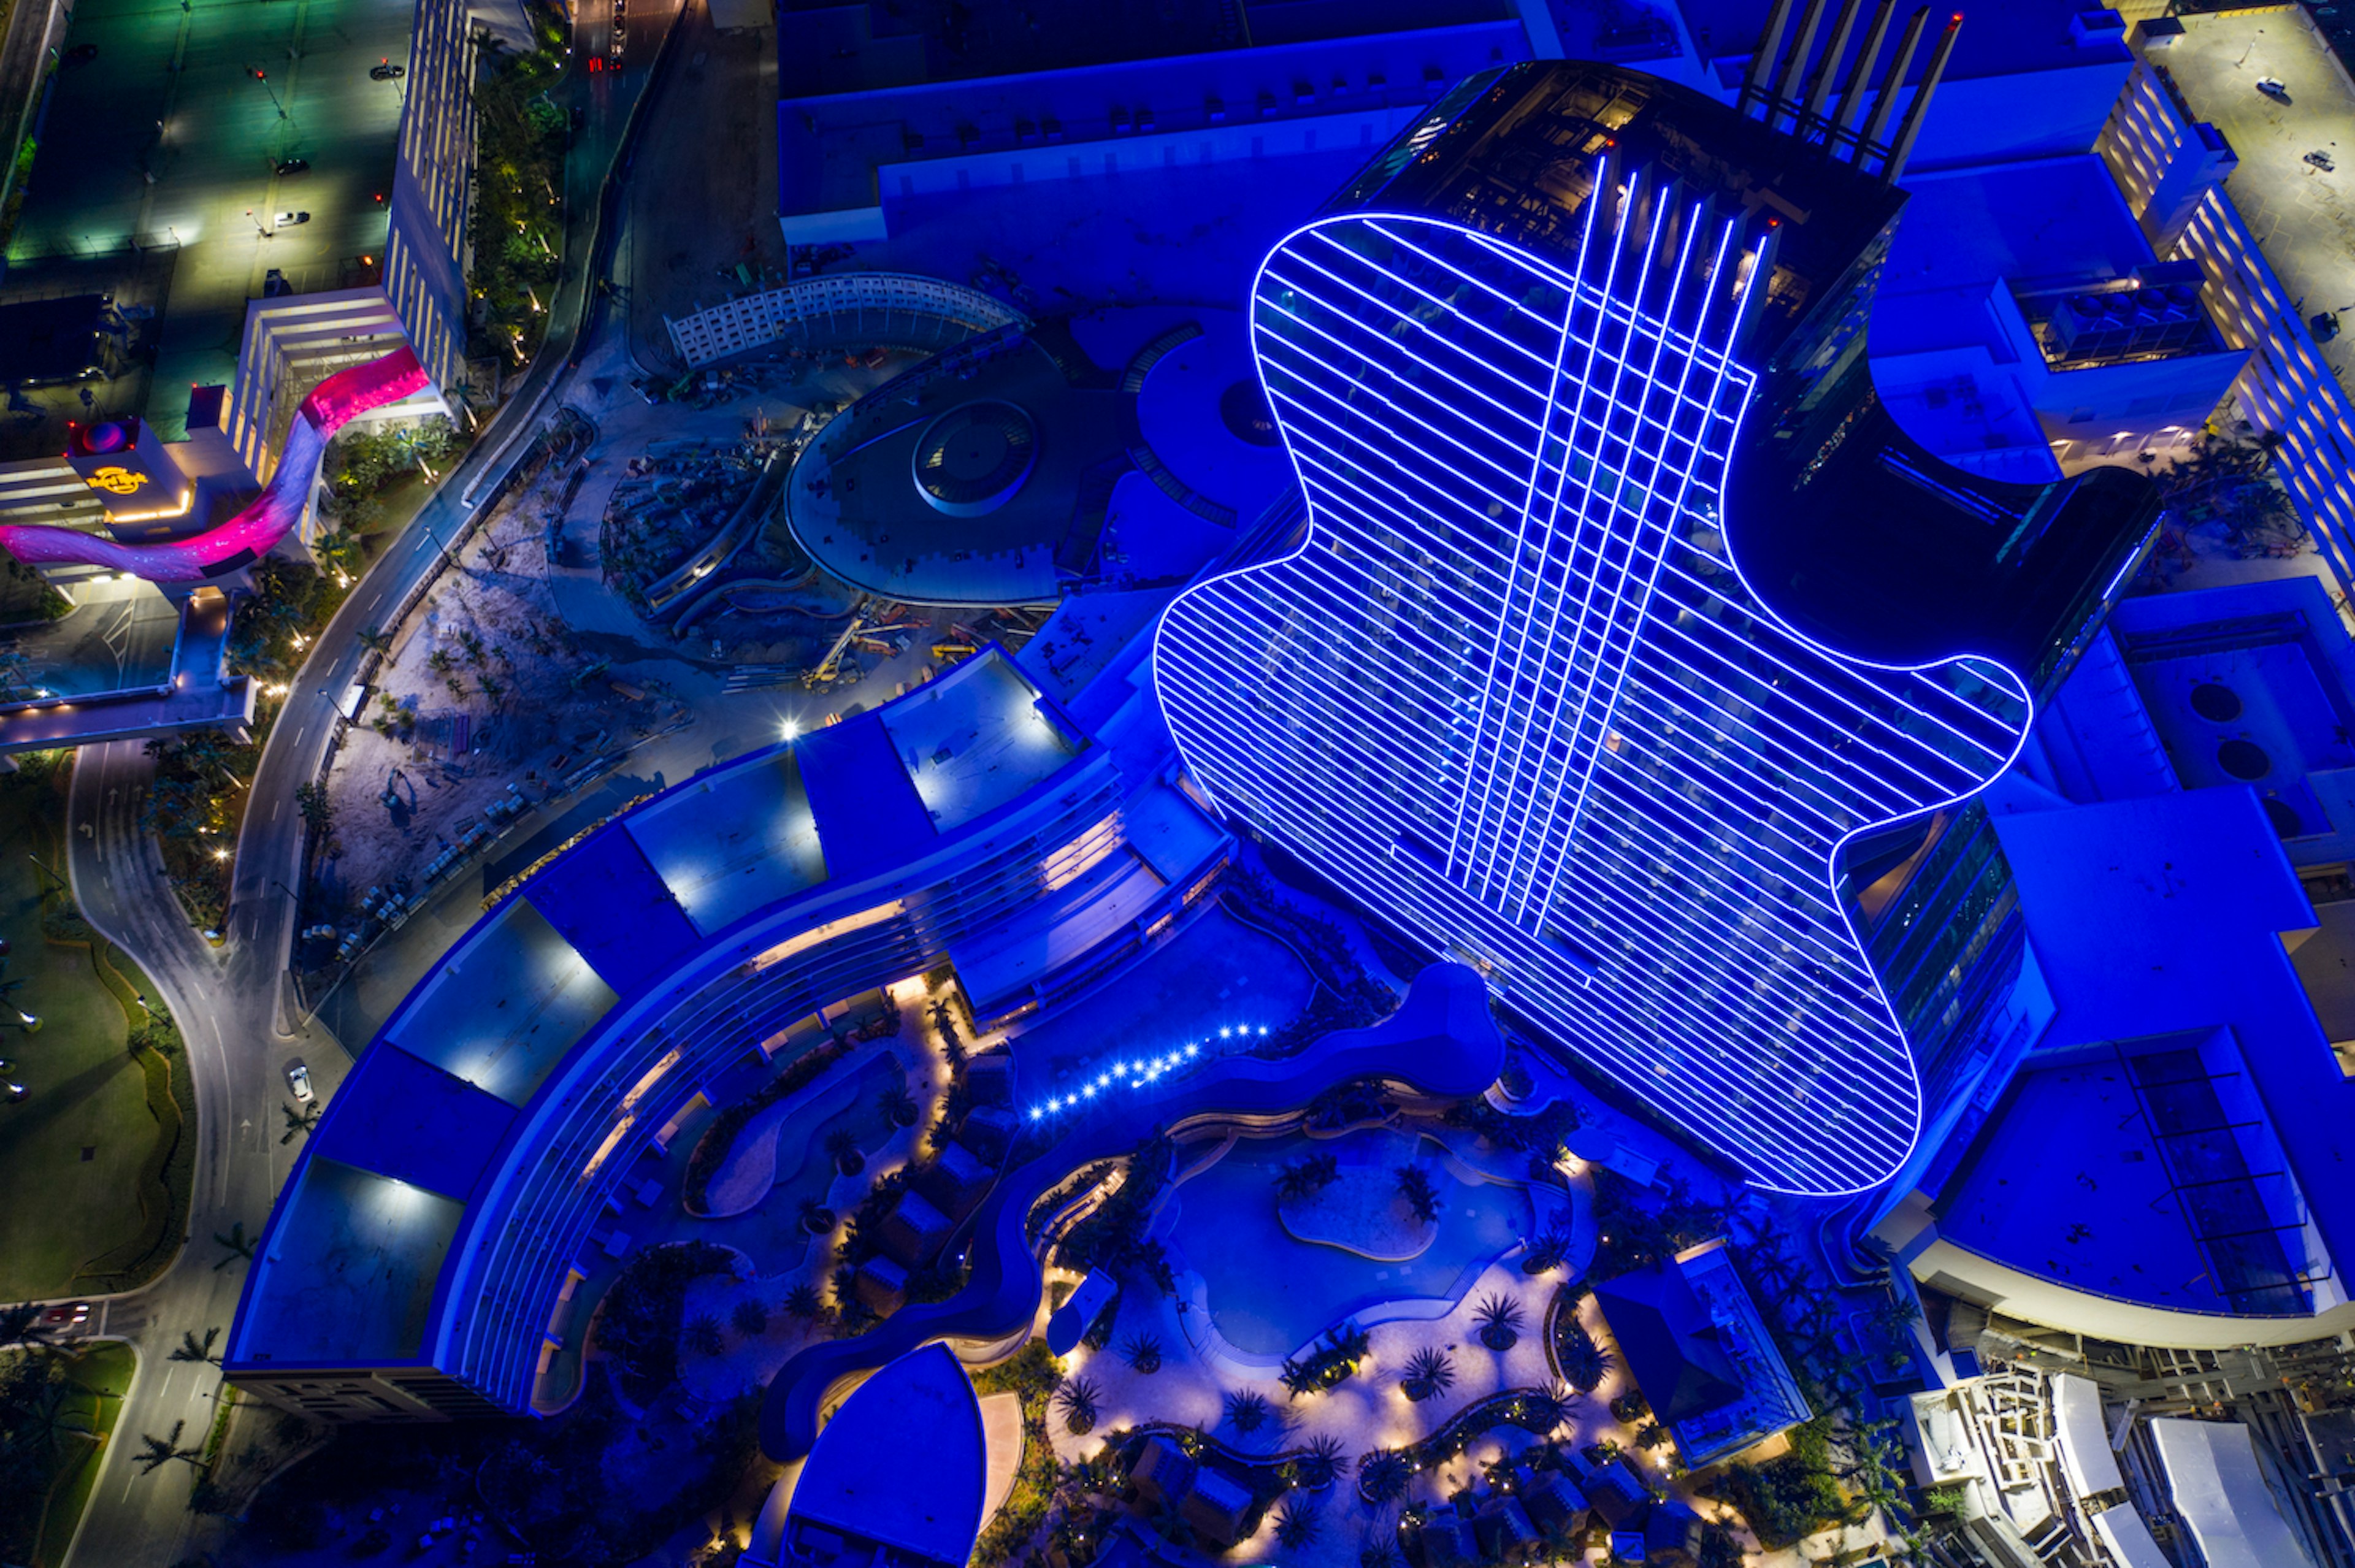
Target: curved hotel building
pixel 423 1256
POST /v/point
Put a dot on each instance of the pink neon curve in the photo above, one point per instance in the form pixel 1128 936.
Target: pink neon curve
pixel 333 403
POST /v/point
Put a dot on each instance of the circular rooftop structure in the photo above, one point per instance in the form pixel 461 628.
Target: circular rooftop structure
pixel 1202 412
pixel 971 460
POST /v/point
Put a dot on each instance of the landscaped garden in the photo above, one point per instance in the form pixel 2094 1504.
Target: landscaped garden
pixel 57 1409
pixel 96 1160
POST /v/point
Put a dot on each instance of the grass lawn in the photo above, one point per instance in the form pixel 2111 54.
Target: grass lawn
pixel 73 1157
pixel 100 1377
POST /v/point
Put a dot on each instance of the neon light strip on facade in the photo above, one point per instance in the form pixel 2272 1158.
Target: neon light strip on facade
pixel 333 403
pixel 1513 690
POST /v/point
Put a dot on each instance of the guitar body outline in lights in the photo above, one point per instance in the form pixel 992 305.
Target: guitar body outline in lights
pixel 1567 742
pixel 256 529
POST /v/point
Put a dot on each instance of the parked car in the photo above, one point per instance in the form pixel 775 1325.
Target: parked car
pixel 2325 325
pixel 18 1092
pixel 289 220
pixel 2272 87
pixel 384 70
pixel 298 1077
pixel 2321 160
pixel 290 167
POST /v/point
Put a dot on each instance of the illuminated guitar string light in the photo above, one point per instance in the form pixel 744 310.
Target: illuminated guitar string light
pixel 1513 690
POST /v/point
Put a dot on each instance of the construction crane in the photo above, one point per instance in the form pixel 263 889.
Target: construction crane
pixel 826 669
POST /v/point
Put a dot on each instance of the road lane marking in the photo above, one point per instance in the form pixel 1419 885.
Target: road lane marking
pixel 276 807
pixel 300 733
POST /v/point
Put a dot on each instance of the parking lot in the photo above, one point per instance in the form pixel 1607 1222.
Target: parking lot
pixel 2303 214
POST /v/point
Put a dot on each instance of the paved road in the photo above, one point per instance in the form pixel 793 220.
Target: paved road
pixel 233 1002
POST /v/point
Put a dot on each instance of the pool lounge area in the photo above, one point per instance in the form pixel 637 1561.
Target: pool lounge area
pixel 1267 1292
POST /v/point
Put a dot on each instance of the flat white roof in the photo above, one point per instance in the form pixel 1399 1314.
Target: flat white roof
pixel 2129 1539
pixel 2085 1456
pixel 2211 1467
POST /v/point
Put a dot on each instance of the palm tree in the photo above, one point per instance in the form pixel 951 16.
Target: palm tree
pixel 750 1317
pixel 1314 1468
pixel 238 1247
pixel 803 1302
pixel 21 1325
pixel 1428 1371
pixel 1499 1317
pixel 161 1451
pixel 1077 1400
pixel 1143 1353
pixel 1421 1194
pixel 896 1103
pixel 1383 1474
pixel 1896 1312
pixel 1297 1525
pixel 1379 1551
pixel 1249 1412
pixel 1543 1410
pixel 193 1350
pixel 843 1145
pixel 703 1335
pixel 1547 1250
pixel 1306 1178
pixel 44 1418
pixel 1584 1363
pixel 303 1121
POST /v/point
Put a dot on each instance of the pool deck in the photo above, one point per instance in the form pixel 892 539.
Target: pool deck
pixel 1470 1168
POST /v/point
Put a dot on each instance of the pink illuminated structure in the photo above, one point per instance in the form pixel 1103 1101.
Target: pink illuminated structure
pixel 245 537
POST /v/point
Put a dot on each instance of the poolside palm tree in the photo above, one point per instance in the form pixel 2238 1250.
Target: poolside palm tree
pixel 1547 1250
pixel 1249 1412
pixel 896 1103
pixel 803 1302
pixel 1143 1353
pixel 1379 1551
pixel 1430 1370
pixel 1544 1410
pixel 1077 1400
pixel 750 1317
pixel 843 1145
pixel 1297 1525
pixel 703 1336
pixel 1585 1364
pixel 1309 1176
pixel 161 1451
pixel 1315 1467
pixel 1383 1474
pixel 191 1348
pixel 1499 1317
pixel 1421 1194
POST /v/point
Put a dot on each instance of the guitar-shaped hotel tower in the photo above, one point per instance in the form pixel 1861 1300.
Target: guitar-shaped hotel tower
pixel 1620 606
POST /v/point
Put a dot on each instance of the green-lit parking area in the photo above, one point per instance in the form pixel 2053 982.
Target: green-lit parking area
pixel 168 138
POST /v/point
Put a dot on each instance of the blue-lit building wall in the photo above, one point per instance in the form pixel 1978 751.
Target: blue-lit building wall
pixel 1530 709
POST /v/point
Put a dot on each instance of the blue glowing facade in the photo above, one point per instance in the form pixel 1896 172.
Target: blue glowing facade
pixel 1513 687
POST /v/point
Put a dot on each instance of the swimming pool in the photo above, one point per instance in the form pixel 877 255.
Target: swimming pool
pixel 1271 1293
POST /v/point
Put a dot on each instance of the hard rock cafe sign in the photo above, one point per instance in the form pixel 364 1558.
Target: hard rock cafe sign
pixel 116 481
